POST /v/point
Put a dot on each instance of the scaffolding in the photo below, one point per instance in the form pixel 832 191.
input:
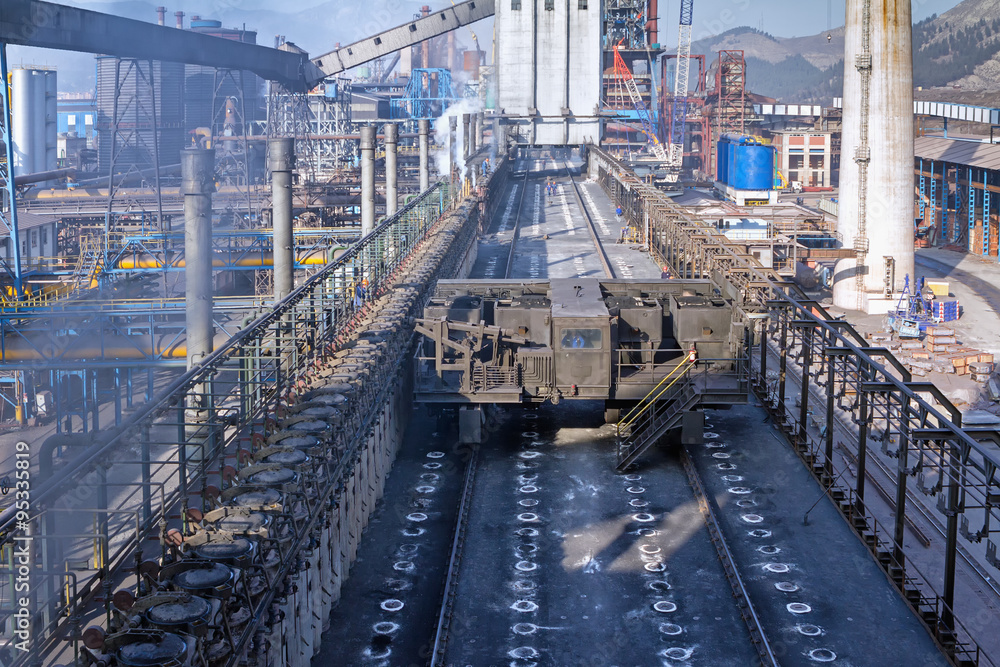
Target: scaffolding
pixel 428 95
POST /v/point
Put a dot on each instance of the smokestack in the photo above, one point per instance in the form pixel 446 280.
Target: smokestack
pixel 883 224
pixel 391 175
pixel 480 129
pixel 425 46
pixel 281 161
pixel 466 120
pixel 473 133
pixel 180 20
pixel 367 179
pixel 452 148
pixel 197 170
pixel 161 15
pixel 451 51
pixel 424 130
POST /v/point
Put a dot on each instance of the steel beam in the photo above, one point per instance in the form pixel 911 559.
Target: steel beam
pixel 53 26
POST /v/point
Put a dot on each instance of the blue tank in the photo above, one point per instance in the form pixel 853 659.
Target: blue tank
pixel 745 163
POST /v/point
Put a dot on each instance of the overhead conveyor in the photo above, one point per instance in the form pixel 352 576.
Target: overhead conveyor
pixel 400 37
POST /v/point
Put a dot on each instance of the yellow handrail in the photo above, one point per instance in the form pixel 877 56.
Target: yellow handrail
pixel 639 409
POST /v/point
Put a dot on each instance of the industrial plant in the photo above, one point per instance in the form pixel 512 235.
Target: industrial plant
pixel 515 332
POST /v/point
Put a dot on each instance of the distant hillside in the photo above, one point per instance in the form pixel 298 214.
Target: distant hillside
pixel 958 48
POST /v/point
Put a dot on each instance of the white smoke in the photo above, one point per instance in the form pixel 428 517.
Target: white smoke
pixel 442 158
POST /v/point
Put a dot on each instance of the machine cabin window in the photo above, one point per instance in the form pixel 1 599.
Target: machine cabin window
pixel 515 4
pixel 581 339
pixel 550 5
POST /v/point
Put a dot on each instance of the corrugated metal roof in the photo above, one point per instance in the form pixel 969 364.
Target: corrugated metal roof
pixel 968 153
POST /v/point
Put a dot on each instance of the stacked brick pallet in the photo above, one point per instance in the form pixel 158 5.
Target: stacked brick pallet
pixel 940 352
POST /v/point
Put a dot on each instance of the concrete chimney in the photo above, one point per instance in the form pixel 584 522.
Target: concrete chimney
pixel 424 130
pixel 180 20
pixel 887 221
pixel 161 15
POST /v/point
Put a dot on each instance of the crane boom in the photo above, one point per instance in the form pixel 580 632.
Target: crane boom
pixel 681 82
pixel 623 72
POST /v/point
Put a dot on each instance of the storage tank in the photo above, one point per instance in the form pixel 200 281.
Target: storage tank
pixel 33 119
pixel 745 163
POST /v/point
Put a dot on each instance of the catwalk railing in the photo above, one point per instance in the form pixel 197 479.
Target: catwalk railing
pixel 95 501
pixel 826 387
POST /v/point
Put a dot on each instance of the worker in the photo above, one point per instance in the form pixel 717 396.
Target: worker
pixel 577 341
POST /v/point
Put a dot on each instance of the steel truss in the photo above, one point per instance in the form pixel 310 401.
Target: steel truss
pixel 178 449
pixel 830 391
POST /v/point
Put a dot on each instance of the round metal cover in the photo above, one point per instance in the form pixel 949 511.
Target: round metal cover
pixel 325 412
pixel 225 550
pixel 333 388
pixel 206 577
pixel 293 457
pixel 273 477
pixel 256 497
pixel 300 441
pixel 310 426
pixel 329 399
pixel 176 613
pixel 168 649
pixel 249 523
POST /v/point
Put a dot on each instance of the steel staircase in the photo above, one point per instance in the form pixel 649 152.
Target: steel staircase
pixel 658 412
pixel 88 265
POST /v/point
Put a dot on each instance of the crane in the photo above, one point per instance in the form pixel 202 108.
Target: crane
pixel 624 74
pixel 681 81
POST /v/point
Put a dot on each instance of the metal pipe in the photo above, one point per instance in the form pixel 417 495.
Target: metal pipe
pixel 197 172
pixel 480 129
pixel 424 132
pixel 391 173
pixel 281 161
pixel 473 133
pixel 367 179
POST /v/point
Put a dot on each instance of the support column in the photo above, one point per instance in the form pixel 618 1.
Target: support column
pixel 281 162
pixel 473 134
pixel 197 170
pixel 367 179
pixel 391 174
pixel 480 128
pixel 424 130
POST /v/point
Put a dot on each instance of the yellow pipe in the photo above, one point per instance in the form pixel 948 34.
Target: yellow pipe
pixel 252 260
pixel 116 347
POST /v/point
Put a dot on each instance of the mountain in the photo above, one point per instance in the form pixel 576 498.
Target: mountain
pixel 961 47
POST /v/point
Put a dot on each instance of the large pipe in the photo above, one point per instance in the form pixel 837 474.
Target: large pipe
pixel 888 223
pixel 197 182
pixel 367 179
pixel 424 126
pixel 391 174
pixel 281 160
